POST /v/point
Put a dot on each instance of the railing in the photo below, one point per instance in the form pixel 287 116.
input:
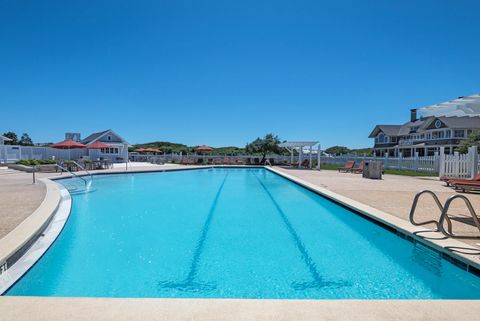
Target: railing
pixel 444 217
pixel 425 164
pixel 439 223
pixel 73 174
pixel 84 169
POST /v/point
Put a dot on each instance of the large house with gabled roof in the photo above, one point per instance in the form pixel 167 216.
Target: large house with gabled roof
pixel 445 125
pixel 117 152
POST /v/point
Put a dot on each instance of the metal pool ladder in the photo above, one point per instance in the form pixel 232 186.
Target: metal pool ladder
pixel 77 176
pixel 444 214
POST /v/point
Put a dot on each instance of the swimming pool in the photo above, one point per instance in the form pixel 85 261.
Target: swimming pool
pixel 231 233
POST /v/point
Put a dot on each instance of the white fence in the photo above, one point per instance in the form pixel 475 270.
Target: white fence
pixel 426 164
pixel 13 153
pixel 459 165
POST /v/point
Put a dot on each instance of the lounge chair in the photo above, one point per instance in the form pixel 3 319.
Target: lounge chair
pixel 466 186
pixel 453 181
pixel 348 167
pixel 359 169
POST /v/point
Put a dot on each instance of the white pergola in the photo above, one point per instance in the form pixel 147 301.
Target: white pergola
pixel 300 146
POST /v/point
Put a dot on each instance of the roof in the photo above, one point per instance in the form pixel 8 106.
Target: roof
pixel 93 137
pixel 462 106
pixel 6 139
pixel 96 136
pixel 390 130
pixel 298 144
pixel 464 122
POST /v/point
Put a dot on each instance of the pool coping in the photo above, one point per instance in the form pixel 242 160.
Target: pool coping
pixel 25 245
pixel 32 238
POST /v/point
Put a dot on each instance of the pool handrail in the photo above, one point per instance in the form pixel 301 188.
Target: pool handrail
pixel 444 217
pixel 440 207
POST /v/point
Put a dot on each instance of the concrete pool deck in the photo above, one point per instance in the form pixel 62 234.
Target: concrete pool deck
pixel 373 193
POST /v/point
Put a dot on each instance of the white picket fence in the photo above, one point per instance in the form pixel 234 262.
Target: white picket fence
pixel 427 164
pixel 459 165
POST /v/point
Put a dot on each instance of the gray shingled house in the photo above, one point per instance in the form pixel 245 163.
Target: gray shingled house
pixel 426 135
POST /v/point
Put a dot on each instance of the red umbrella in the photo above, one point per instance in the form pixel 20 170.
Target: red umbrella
pixel 204 148
pixel 68 144
pixel 98 145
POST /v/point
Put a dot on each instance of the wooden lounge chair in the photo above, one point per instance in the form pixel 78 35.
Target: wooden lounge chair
pixel 348 167
pixel 466 186
pixel 359 169
pixel 453 181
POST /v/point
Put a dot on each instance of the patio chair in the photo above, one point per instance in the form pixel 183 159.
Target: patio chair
pixel 348 167
pixel 359 169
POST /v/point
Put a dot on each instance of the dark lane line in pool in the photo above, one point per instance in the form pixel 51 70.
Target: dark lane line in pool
pixel 318 281
pixel 189 282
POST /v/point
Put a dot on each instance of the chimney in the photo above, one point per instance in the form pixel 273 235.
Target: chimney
pixel 413 115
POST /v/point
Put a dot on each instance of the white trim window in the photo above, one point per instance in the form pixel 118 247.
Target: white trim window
pixel 459 133
pixel 111 150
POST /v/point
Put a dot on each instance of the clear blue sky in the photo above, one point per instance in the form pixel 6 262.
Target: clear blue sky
pixel 224 72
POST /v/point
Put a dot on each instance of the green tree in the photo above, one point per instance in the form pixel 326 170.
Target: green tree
pixel 13 137
pixel 337 150
pixel 25 140
pixel 472 140
pixel 264 146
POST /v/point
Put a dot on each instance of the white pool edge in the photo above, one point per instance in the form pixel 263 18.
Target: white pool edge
pixel 45 226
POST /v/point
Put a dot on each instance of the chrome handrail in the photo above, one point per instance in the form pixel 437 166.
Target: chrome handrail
pixel 84 169
pixel 444 217
pixel 73 174
pixel 437 201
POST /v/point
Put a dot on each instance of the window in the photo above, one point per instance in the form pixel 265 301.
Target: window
pixel 109 137
pixel 381 138
pixel 429 136
pixel 459 133
pixel 113 150
pixel 394 139
pixel 448 133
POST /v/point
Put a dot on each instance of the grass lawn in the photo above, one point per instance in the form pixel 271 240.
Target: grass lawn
pixel 387 171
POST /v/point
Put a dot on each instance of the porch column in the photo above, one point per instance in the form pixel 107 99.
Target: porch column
pixel 300 157
pixel 310 157
pixel 318 157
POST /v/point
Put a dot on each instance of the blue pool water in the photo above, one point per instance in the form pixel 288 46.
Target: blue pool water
pixel 231 233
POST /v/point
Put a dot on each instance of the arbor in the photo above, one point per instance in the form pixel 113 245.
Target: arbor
pixel 264 146
pixel 472 140
pixel 12 136
pixel 25 140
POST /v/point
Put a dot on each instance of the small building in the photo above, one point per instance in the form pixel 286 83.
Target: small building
pixel 444 125
pixel 4 139
pixel 117 152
